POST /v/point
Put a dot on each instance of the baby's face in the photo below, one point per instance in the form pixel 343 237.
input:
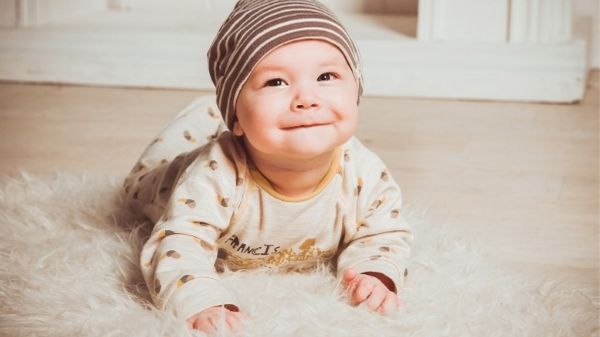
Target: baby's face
pixel 300 101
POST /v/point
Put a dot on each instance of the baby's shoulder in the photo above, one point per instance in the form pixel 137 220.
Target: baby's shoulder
pixel 356 156
pixel 221 159
pixel 363 168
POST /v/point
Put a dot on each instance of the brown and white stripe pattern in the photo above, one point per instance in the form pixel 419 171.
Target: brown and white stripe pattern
pixel 256 27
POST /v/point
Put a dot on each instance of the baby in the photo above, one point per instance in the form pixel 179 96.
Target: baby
pixel 280 181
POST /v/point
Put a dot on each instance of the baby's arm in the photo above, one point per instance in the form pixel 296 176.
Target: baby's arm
pixel 178 258
pixel 373 261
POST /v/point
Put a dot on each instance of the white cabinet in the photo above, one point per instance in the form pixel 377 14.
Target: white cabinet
pixel 500 49
pixel 464 20
pixel 540 21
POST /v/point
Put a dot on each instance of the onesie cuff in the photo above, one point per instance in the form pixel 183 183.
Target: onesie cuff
pixel 389 269
pixel 200 294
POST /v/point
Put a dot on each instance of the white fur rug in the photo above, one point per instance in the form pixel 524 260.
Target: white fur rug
pixel 69 267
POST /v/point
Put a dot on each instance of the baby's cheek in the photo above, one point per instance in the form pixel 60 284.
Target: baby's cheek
pixel 348 112
pixel 347 127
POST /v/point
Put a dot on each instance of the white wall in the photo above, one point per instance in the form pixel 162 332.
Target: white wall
pixel 54 10
pixel 15 13
pixel 405 7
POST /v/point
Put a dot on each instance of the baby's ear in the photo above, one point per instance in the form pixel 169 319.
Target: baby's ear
pixel 237 129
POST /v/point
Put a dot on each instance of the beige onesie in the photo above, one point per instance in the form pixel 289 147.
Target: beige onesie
pixel 213 209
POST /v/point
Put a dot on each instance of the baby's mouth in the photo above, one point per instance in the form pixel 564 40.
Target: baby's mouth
pixel 304 126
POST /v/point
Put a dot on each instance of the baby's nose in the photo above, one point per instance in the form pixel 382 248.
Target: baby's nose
pixel 305 99
pixel 306 105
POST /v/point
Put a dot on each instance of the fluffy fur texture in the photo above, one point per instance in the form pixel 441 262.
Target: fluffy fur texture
pixel 69 268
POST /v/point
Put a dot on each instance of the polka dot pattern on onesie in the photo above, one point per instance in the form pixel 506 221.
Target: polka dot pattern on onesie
pixel 156 140
pixel 361 226
pixel 173 254
pixel 223 201
pixel 164 233
pixel 188 202
pixel 184 279
pixel 213 137
pixel 187 135
pixel 376 204
pixel 199 223
pixel 205 244
pixel 212 113
pixel 359 186
pixel 395 213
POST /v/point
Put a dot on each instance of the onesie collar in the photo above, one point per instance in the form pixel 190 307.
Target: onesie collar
pixel 266 185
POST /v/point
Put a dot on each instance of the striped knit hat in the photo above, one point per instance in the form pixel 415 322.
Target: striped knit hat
pixel 256 27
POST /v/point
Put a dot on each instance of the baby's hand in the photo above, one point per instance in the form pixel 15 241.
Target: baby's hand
pixel 209 320
pixel 370 289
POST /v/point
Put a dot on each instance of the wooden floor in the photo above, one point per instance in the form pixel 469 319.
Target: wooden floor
pixel 521 179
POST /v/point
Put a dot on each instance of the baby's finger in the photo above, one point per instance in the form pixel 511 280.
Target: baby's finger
pixel 351 288
pixel 203 324
pixel 390 304
pixel 234 322
pixel 376 298
pixel 213 324
pixel 362 292
pixel 198 324
pixel 349 275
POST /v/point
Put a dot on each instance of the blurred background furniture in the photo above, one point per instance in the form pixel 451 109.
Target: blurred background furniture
pixel 515 50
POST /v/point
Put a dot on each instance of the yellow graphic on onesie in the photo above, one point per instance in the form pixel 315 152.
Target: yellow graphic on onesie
pixel 269 255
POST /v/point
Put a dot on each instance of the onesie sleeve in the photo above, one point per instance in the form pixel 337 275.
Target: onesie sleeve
pixel 379 240
pixel 178 259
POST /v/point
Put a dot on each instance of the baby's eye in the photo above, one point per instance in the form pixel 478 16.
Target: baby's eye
pixel 326 77
pixel 276 82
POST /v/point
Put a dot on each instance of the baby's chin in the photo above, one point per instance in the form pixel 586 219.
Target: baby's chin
pixel 311 147
pixel 308 153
